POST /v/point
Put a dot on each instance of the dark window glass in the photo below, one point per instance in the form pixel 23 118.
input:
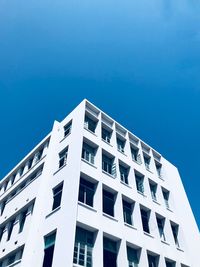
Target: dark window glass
pixel 49 250
pixel 86 192
pixel 57 195
pixel 127 211
pixel 108 203
pixel 109 253
pixel 145 220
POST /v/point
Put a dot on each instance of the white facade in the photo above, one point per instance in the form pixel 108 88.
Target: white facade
pixel 122 200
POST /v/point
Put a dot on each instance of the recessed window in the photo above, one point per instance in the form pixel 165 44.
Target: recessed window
pixel 120 144
pixel 127 211
pixel 106 135
pixel 109 253
pixel 170 263
pixel 139 179
pixel 147 160
pixel 88 153
pixel 108 202
pixel 86 192
pixel 158 168
pixel 22 220
pixel 133 256
pixel 108 164
pixel 124 172
pixel 63 157
pixel 2 229
pixel 175 231
pixel 67 128
pixel 90 124
pixel 49 241
pixel 161 224
pixel 165 193
pixel 153 260
pixel 153 189
pixel 10 228
pixel 135 154
pixel 84 242
pixel 57 195
pixel 145 214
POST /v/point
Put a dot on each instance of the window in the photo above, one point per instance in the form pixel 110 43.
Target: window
pixel 124 171
pixel 2 229
pixel 153 189
pixel 90 124
pixel 84 242
pixel 86 192
pixel 105 135
pixel 135 154
pixel 159 169
pixel 145 220
pixel 108 165
pixel 139 179
pixel 175 229
pixel 166 197
pixel 152 261
pixel 127 212
pixel 132 255
pixel 57 195
pixel 88 153
pixel 63 157
pixel 120 145
pixel 161 223
pixel 10 228
pixel 11 259
pixel 22 220
pixel 49 242
pixel 109 253
pixel 3 204
pixel 108 202
pixel 147 160
pixel 67 128
pixel 170 263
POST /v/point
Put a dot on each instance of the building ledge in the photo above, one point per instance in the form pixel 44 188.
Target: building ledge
pixel 106 142
pixel 86 206
pixel 125 184
pixel 130 226
pixel 148 234
pixel 110 217
pixel 53 211
pixel 110 175
pixel 65 137
pixel 60 168
pixel 89 163
pixel 90 131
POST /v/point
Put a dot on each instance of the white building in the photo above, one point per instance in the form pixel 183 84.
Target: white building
pixel 93 194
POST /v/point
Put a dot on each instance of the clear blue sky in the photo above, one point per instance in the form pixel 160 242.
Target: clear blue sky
pixel 138 60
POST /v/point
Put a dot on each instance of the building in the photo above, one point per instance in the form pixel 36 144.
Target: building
pixel 93 194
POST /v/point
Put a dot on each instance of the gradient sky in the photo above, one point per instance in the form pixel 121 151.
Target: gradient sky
pixel 138 60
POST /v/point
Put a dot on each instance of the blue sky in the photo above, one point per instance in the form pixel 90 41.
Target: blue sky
pixel 138 60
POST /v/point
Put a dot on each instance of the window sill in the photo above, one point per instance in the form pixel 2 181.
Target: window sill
pixel 14 263
pixel 86 206
pixel 130 226
pixel 165 242
pixel 90 131
pixel 139 163
pixel 89 163
pixel 53 211
pixel 122 152
pixel 60 168
pixel 148 170
pixel 148 234
pixel 110 217
pixel 142 194
pixel 169 209
pixel 161 178
pixel 106 142
pixel 180 249
pixel 112 176
pixel 125 184
pixel 65 137
pixel 155 201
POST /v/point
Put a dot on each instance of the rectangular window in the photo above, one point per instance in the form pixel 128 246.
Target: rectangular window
pixel 170 263
pixel 145 220
pixel 10 228
pixel 147 160
pixel 159 169
pixel 67 128
pixel 3 206
pixel 123 173
pixel 11 259
pixel 108 165
pixel 127 212
pixel 2 229
pixel 22 220
pixel 90 124
pixel 153 189
pixel 161 223
pixel 88 153
pixel 49 242
pixel 132 255
pixel 135 154
pixel 108 203
pixel 175 229
pixel 63 157
pixel 86 192
pixel 84 242
pixel 105 135
pixel 57 195
pixel 139 183
pixel 120 145
pixel 166 197
pixel 152 261
pixel 109 253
